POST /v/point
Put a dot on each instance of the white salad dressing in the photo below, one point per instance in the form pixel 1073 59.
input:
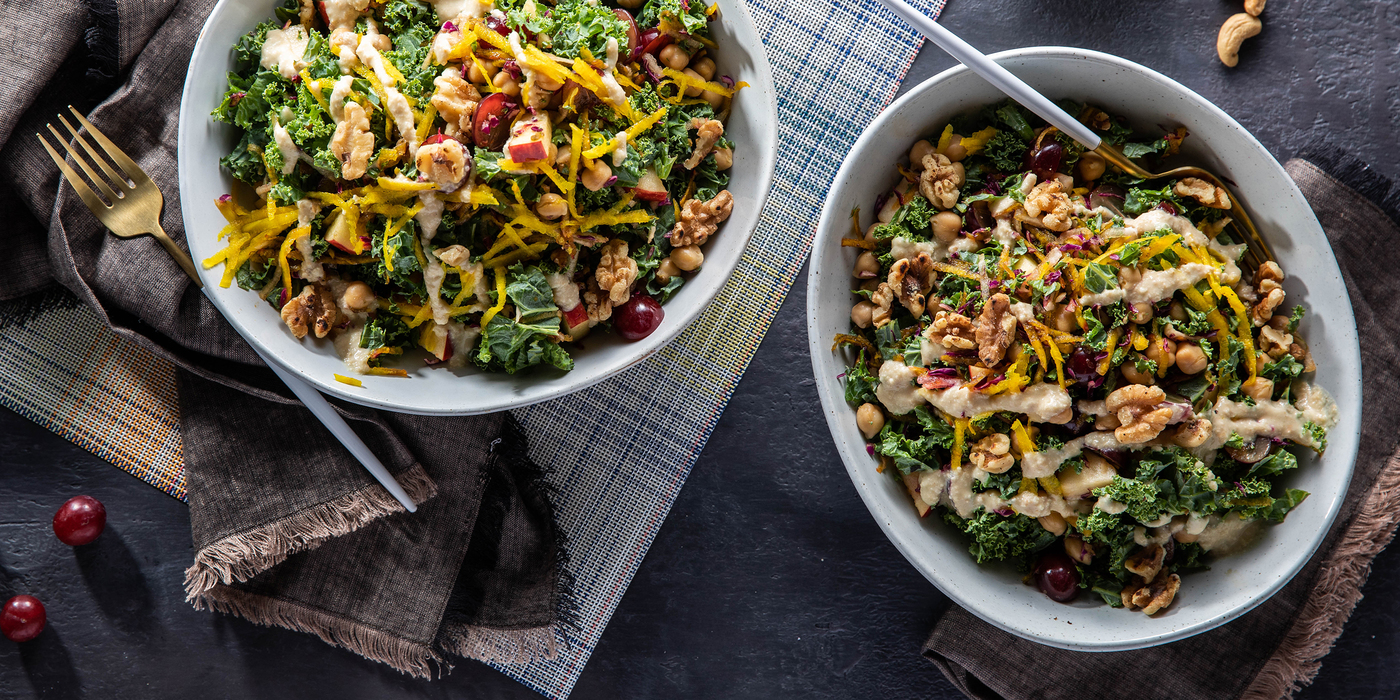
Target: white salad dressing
pixel 1004 232
pixel 371 57
pixel 566 293
pixel 347 345
pixel 311 269
pixel 342 89
pixel 1266 418
pixel 290 153
pixel 340 17
pixel 1154 286
pixel 518 51
pixel 902 248
pixel 1041 402
pixel 615 96
pixel 428 218
pixel 283 49
pixel 1225 536
pixel 449 9
pixel 463 339
pixel 897 390
pixel 1036 465
pixel 403 119
pixel 619 154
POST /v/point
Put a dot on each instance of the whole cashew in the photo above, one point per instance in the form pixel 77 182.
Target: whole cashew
pixel 1232 35
pixel 1254 7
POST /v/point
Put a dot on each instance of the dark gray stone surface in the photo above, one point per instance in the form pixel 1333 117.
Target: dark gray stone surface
pixel 769 579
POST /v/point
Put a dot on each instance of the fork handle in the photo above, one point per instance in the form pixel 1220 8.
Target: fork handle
pixel 180 256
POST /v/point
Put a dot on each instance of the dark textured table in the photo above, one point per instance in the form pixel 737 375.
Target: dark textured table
pixel 769 579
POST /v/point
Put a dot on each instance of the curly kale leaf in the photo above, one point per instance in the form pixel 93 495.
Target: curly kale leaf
pixel 1007 151
pixel 689 14
pixel 1141 199
pixel 513 346
pixel 530 292
pixel 386 330
pixel 1138 150
pixel 243 162
pixel 912 221
pixel 1141 497
pixel 860 383
pixel 995 537
pixel 247 52
pixel 403 16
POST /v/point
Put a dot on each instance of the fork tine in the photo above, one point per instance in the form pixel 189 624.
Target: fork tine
pixel 82 163
pixel 116 180
pixel 124 162
pixel 97 206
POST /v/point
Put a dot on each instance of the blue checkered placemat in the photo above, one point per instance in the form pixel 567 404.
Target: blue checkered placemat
pixel 618 470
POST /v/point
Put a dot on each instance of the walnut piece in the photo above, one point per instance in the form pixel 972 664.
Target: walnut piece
pixel 992 453
pixel 939 181
pixel 456 101
pixel 352 143
pixel 1048 201
pixel 1203 192
pixel 597 302
pixel 707 133
pixel 1153 596
pixel 909 278
pixel 1302 355
pixel 1147 562
pixel 1274 342
pixel 616 272
pixel 444 162
pixel 1139 410
pixel 699 220
pixel 314 309
pixel 996 328
pixel 1269 281
pixel 882 298
pixel 953 331
pixel 1192 433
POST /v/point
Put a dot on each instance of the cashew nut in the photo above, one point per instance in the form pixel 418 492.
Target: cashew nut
pixel 1233 33
pixel 1254 7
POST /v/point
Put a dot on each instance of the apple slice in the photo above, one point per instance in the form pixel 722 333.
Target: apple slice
pixel 341 233
pixel 650 187
pixel 434 339
pixel 530 138
pixel 490 126
pixel 911 484
pixel 577 321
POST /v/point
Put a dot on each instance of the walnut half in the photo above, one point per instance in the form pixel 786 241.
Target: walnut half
pixel 616 272
pixel 1153 596
pixel 456 101
pixel 910 278
pixel 1048 201
pixel 314 309
pixel 707 133
pixel 996 328
pixel 939 182
pixel 952 330
pixel 1203 192
pixel 1139 410
pixel 352 143
pixel 700 220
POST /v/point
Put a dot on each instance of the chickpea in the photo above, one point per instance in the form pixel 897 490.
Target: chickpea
pixel 595 177
pixel 921 148
pixel 666 270
pixel 687 257
pixel 955 150
pixel 869 285
pixel 358 296
pixel 551 207
pixel 870 419
pixel 1190 358
pixel 861 314
pixel 692 91
pixel 1054 523
pixel 506 84
pixel 1091 166
pixel 715 99
pixel 959 174
pixel 867 266
pixel 545 82
pixel 705 67
pixel 1131 373
pixel 476 77
pixel 1066 182
pixel 1079 550
pixel 564 154
pixel 1142 313
pixel 1163 353
pixel 946 225
pixel 724 158
pixel 870 232
pixel 674 57
pixel 1065 319
pixel 1177 312
pixel 889 209
pixel 1260 389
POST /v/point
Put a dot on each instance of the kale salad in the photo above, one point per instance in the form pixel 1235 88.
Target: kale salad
pixel 1080 370
pixel 484 181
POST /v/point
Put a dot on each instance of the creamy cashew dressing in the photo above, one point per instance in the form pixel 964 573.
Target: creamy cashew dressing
pixel 283 49
pixel 902 248
pixel 342 89
pixel 615 96
pixel 403 119
pixel 428 218
pixel 899 394
pixel 288 147
pixel 347 345
pixel 619 154
pixel 311 268
pixel 370 56
pixel 1267 418
pixel 566 293
pixel 953 488
pixel 1154 286
pixel 1004 233
pixel 1044 463
pixel 463 340
pixel 897 391
pixel 1225 536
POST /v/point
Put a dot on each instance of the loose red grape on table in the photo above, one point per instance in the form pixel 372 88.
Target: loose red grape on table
pixel 22 618
pixel 80 520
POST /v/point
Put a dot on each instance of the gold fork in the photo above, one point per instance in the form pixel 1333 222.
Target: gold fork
pixel 133 203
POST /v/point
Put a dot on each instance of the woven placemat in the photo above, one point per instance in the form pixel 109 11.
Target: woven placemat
pixel 617 469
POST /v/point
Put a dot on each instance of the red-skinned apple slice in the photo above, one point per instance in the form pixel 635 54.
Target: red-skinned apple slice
pixel 530 138
pixel 577 321
pixel 434 339
pixel 491 126
pixel 341 233
pixel 650 187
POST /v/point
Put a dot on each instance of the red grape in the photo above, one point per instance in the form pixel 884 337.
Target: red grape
pixel 499 25
pixel 80 520
pixel 1045 161
pixel 491 125
pixel 22 618
pixel 1056 576
pixel 633 36
pixel 638 317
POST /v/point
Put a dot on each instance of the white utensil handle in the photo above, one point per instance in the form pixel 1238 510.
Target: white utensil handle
pixel 1014 87
pixel 334 422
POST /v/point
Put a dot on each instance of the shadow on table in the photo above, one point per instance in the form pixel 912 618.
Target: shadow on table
pixel 49 667
pixel 113 577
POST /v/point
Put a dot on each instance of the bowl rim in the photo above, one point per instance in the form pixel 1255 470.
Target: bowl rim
pixel 829 229
pixel 504 398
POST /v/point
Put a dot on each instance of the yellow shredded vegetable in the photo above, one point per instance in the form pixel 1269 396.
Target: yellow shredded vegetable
pixel 500 272
pixel 977 141
pixel 960 427
pixel 347 380
pixel 946 139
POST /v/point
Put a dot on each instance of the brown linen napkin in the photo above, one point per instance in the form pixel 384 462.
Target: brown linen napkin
pixel 288 528
pixel 1277 648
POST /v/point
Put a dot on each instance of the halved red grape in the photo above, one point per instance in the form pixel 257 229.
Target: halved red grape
pixel 633 36
pixel 638 317
pixel 660 41
pixel 80 520
pixel 491 125
pixel 1056 576
pixel 498 25
pixel 1045 161
pixel 22 618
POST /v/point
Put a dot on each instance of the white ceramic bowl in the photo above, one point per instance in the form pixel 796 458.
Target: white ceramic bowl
pixel 1234 584
pixel 752 127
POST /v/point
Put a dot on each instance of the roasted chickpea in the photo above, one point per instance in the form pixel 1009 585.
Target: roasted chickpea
pixel 955 150
pixel 506 84
pixel 715 99
pixel 1131 373
pixel 551 207
pixel 1091 166
pixel 1066 182
pixel 861 313
pixel 917 152
pixel 960 174
pixel 1190 358
pixel 1177 312
pixel 358 296
pixel 1260 389
pixel 946 225
pixel 870 232
pixel 545 82
pixel 1163 353
pixel 867 266
pixel 705 67
pixel 1142 313
pixel 870 419
pixel 688 257
pixel 889 209
pixel 1065 320
pixel 666 270
pixel 596 176
pixel 724 158
pixel 563 155
pixel 476 77
pixel 674 57
pixel 693 91
pixel 1054 523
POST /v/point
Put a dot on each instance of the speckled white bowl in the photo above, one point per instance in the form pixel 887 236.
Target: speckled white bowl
pixel 1234 584
pixel 753 126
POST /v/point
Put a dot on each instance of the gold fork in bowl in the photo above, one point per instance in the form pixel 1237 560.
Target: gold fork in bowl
pixel 134 210
pixel 131 209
